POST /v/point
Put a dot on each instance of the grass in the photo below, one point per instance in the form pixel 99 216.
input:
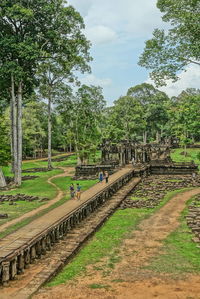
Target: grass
pixel 178 255
pixel 28 206
pixel 38 187
pixel 70 161
pixel 15 211
pixel 64 182
pixel 138 198
pixel 173 181
pixel 26 221
pixel 99 286
pixel 106 241
pixel 177 157
pixel 22 207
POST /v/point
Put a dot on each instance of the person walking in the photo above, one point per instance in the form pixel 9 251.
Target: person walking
pixel 133 161
pixel 72 192
pixel 100 176
pixel 78 191
pixel 106 176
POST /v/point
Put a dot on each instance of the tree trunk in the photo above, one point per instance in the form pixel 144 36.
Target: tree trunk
pixel 14 129
pixel 145 137
pixel 70 147
pixel 11 133
pixel 185 150
pixel 2 179
pixel 157 136
pixel 49 133
pixel 19 134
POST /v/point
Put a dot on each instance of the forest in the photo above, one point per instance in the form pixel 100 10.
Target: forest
pixel 45 109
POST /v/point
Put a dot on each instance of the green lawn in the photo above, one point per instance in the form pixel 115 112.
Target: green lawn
pixel 179 255
pixel 64 182
pixel 106 241
pixel 70 161
pixel 192 155
pixel 39 187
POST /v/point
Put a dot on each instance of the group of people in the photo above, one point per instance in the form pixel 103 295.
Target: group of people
pixel 103 176
pixel 75 193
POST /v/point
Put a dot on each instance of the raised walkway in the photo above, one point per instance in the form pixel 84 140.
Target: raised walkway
pixel 17 247
pixel 34 228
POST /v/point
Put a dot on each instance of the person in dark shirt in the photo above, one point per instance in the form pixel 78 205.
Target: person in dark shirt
pixel 72 192
pixel 106 176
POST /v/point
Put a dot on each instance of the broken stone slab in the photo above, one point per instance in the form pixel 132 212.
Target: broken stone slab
pixel 3 216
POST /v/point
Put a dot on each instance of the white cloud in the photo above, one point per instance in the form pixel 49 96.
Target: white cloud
pixel 137 17
pixel 118 30
pixel 92 80
pixel 100 34
pixel 188 79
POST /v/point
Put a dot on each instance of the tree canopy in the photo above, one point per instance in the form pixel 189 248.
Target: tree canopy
pixel 170 51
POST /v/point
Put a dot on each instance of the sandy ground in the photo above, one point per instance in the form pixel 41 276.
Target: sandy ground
pixel 129 279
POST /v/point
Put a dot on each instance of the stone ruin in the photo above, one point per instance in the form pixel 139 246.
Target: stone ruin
pixel 118 155
pixel 20 197
pixel 193 218
pixel 151 191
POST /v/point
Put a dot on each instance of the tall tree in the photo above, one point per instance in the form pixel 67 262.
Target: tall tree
pixel 87 117
pixel 185 118
pixel 126 118
pixel 167 53
pixel 32 32
pixel 34 115
pixel 154 111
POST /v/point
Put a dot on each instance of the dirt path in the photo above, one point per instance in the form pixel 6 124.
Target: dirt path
pixel 68 171
pixel 128 280
pixel 46 159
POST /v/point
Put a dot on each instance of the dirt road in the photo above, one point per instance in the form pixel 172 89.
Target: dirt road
pixel 128 279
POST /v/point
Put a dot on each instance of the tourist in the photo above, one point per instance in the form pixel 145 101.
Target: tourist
pixel 106 176
pixel 100 176
pixel 193 176
pixel 133 161
pixel 78 191
pixel 72 192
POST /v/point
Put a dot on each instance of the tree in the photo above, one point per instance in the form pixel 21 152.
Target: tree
pixel 126 120
pixel 154 111
pixel 185 118
pixel 168 53
pixel 34 114
pixel 33 32
pixel 87 117
pixel 4 148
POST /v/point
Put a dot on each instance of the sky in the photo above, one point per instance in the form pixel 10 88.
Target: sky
pixel 118 30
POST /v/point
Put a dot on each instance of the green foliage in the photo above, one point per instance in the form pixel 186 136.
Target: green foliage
pixel 5 154
pixel 167 53
pixel 125 119
pixel 33 122
pixel 154 106
pixel 83 113
pixel 193 155
pixel 34 31
pixel 185 117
